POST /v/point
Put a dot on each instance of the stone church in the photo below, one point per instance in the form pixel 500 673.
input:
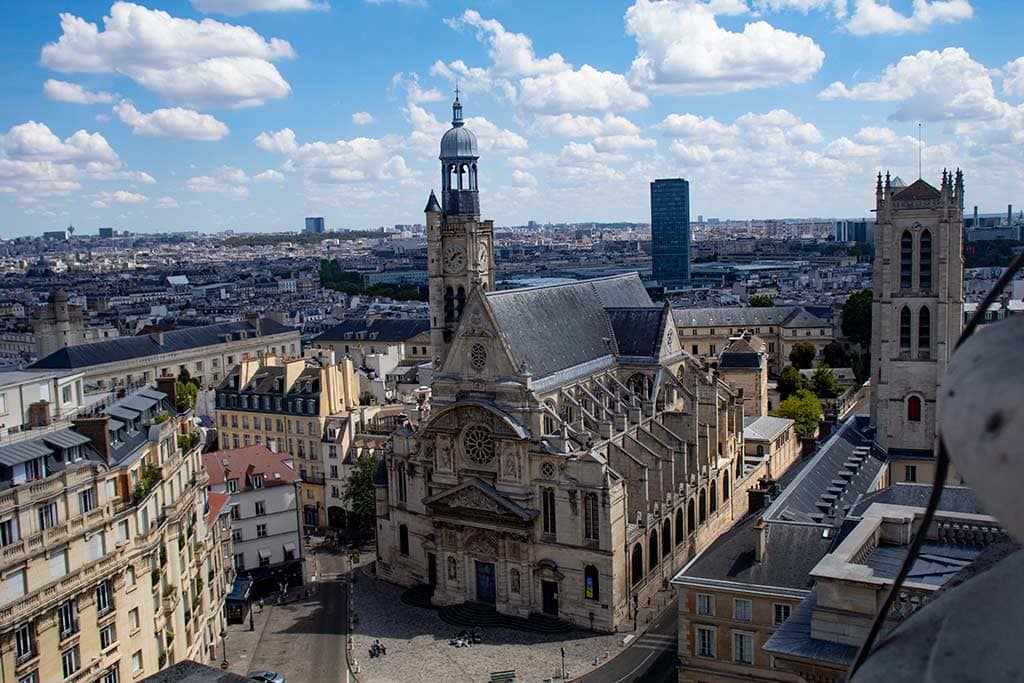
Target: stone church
pixel 575 456
pixel 916 315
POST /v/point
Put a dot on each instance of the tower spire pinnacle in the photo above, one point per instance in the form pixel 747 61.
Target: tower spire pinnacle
pixel 456 109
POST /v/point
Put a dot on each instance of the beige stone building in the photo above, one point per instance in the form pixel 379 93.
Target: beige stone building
pixel 294 406
pixel 575 455
pixel 114 563
pixel 744 365
pixel 916 315
pixel 57 324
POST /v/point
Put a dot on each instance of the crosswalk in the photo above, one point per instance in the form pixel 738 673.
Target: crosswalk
pixel 655 642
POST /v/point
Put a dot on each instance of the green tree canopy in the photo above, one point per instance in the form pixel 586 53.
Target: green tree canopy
pixel 359 493
pixel 802 355
pixel 824 383
pixel 790 382
pixel 834 355
pixel 804 408
pixel 761 301
pixel 856 324
pixel 186 390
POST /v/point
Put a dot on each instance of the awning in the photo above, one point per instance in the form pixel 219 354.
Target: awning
pixel 289 547
pixel 264 554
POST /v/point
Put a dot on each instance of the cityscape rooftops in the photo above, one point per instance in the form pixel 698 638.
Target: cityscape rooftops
pixel 382 329
pixel 764 427
pixel 242 463
pixel 783 316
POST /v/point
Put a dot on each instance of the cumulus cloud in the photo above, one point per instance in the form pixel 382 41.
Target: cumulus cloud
pixel 579 90
pixel 511 53
pixel 1013 78
pixel 838 7
pixel 930 86
pixel 872 16
pixel 64 91
pixel 35 141
pixel 268 176
pixel 237 7
pixel 362 118
pixel 523 179
pixel 681 50
pixel 427 131
pixel 196 63
pixel 413 91
pixel 166 203
pixel 227 181
pixel 573 126
pixel 105 199
pixel 175 122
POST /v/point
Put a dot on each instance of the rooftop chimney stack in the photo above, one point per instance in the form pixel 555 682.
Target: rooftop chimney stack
pixel 761 529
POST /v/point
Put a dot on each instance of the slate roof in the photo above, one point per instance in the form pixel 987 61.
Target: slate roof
pixel 828 479
pixel 637 330
pixel 793 637
pixel 919 189
pixel 386 329
pixel 740 354
pixel 935 564
pixel 783 316
pixel 764 427
pixel 952 499
pixel 125 348
pixel 555 327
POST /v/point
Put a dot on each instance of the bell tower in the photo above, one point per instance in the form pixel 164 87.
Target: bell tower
pixel 459 244
pixel 916 315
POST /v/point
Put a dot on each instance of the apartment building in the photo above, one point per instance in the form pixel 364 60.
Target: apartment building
pixel 286 405
pixel 263 510
pixel 114 562
pixel 37 399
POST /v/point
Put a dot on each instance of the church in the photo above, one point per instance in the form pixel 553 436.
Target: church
pixel 575 456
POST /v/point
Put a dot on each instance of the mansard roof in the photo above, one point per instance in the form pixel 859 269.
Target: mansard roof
pixel 551 328
pixel 385 329
pixel 918 189
pixel 637 330
pixel 785 316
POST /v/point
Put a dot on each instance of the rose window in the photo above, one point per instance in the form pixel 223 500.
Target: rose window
pixel 478 444
pixel 547 470
pixel 478 356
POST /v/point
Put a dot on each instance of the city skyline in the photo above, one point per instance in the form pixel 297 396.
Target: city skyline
pixel 270 116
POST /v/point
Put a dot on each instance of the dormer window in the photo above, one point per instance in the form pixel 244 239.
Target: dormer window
pixel 232 486
pixel 257 481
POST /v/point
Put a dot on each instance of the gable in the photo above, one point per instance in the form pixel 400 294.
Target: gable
pixel 476 498
pixel 478 350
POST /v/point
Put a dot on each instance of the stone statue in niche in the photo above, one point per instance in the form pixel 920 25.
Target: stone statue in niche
pixel 511 464
pixel 514 581
pixel 512 550
pixel 444 454
pixel 453 570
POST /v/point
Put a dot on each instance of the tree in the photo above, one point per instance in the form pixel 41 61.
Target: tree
pixel 186 389
pixel 824 383
pixel 761 301
pixel 804 408
pixel 790 382
pixel 834 355
pixel 359 493
pixel 861 364
pixel 856 324
pixel 802 355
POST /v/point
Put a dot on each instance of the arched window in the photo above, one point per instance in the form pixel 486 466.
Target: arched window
pixel 549 420
pixel 638 384
pixel 905 328
pixel 472 177
pixel 652 550
pixel 591 583
pixel 666 538
pixel 638 563
pixel 906 260
pixel 680 534
pixel 129 576
pixel 924 264
pixel 739 466
pixel 725 486
pixel 703 506
pixel 714 495
pixel 403 540
pixel 760 450
pixel 914 409
pixel 691 517
pixel 449 305
pixel 460 302
pixel 924 329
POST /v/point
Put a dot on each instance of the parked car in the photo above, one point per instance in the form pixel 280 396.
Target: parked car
pixel 267 676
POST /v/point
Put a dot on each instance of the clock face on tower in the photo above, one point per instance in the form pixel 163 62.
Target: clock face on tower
pixel 454 258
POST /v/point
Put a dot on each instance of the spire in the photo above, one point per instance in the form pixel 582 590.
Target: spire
pixel 432 204
pixel 456 109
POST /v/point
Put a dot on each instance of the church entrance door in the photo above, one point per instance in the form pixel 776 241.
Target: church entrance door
pixel 485 582
pixel 549 593
pixel 432 569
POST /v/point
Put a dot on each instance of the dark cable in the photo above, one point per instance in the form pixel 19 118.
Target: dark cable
pixel 941 469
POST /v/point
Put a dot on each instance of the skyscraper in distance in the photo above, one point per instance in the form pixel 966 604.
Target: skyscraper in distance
pixel 315 224
pixel 670 230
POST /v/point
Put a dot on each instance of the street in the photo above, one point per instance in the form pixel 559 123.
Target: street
pixel 651 658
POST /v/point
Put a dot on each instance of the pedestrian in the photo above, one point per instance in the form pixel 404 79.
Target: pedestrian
pixel 383 650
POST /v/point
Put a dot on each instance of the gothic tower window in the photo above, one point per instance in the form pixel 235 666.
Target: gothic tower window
pixel 680 534
pixel 449 305
pixel 714 496
pixel 403 540
pixel 460 302
pixel 591 583
pixel 691 517
pixel 906 260
pixel 905 329
pixel 637 563
pixel 591 523
pixel 703 506
pixel 725 486
pixel 924 278
pixel 547 499
pixel 914 409
pixel 652 551
pixel 666 538
pixel 400 482
pixel 924 330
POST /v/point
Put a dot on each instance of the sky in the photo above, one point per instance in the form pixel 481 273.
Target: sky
pixel 249 115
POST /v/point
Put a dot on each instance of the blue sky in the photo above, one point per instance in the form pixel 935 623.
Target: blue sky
pixel 251 114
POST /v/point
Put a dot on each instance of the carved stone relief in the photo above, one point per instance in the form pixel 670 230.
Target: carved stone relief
pixel 483 543
pixel 511 462
pixel 474 499
pixel 444 454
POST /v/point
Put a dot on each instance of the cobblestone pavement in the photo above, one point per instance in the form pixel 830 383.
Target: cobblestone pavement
pixel 417 646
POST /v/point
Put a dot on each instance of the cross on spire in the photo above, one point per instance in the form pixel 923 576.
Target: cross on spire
pixel 456 90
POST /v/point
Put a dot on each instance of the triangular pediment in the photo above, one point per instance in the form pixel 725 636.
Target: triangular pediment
pixel 475 497
pixel 478 351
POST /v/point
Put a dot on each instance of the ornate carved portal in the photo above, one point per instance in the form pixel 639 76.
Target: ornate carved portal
pixel 484 544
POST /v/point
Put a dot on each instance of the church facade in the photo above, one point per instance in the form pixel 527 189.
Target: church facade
pixel 917 315
pixel 575 456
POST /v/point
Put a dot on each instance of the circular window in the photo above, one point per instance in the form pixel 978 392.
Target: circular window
pixel 547 470
pixel 478 356
pixel 478 444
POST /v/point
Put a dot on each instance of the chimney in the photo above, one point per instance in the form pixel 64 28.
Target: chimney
pixel 761 532
pixel 168 384
pixel 39 414
pixel 254 320
pixel 96 429
pixel 158 337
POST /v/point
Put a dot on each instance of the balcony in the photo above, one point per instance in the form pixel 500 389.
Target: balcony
pixel 56 591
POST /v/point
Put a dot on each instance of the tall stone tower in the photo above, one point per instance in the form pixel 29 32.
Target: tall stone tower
pixel 459 244
pixel 916 315
pixel 57 324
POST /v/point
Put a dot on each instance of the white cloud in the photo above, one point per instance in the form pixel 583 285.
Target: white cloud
pixel 279 142
pixel 427 131
pixel 410 3
pixel 268 176
pixel 838 6
pixel 413 92
pixel 123 197
pixel 871 16
pixel 683 51
pixel 930 86
pixel 620 143
pixel 190 62
pixel 469 78
pixel 573 126
pixel 226 180
pixel 35 141
pixel 362 118
pixel 166 203
pixel 175 122
pixel 63 91
pixel 692 126
pixel 584 89
pixel 523 179
pixel 1013 78
pixel 237 7
pixel 511 53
